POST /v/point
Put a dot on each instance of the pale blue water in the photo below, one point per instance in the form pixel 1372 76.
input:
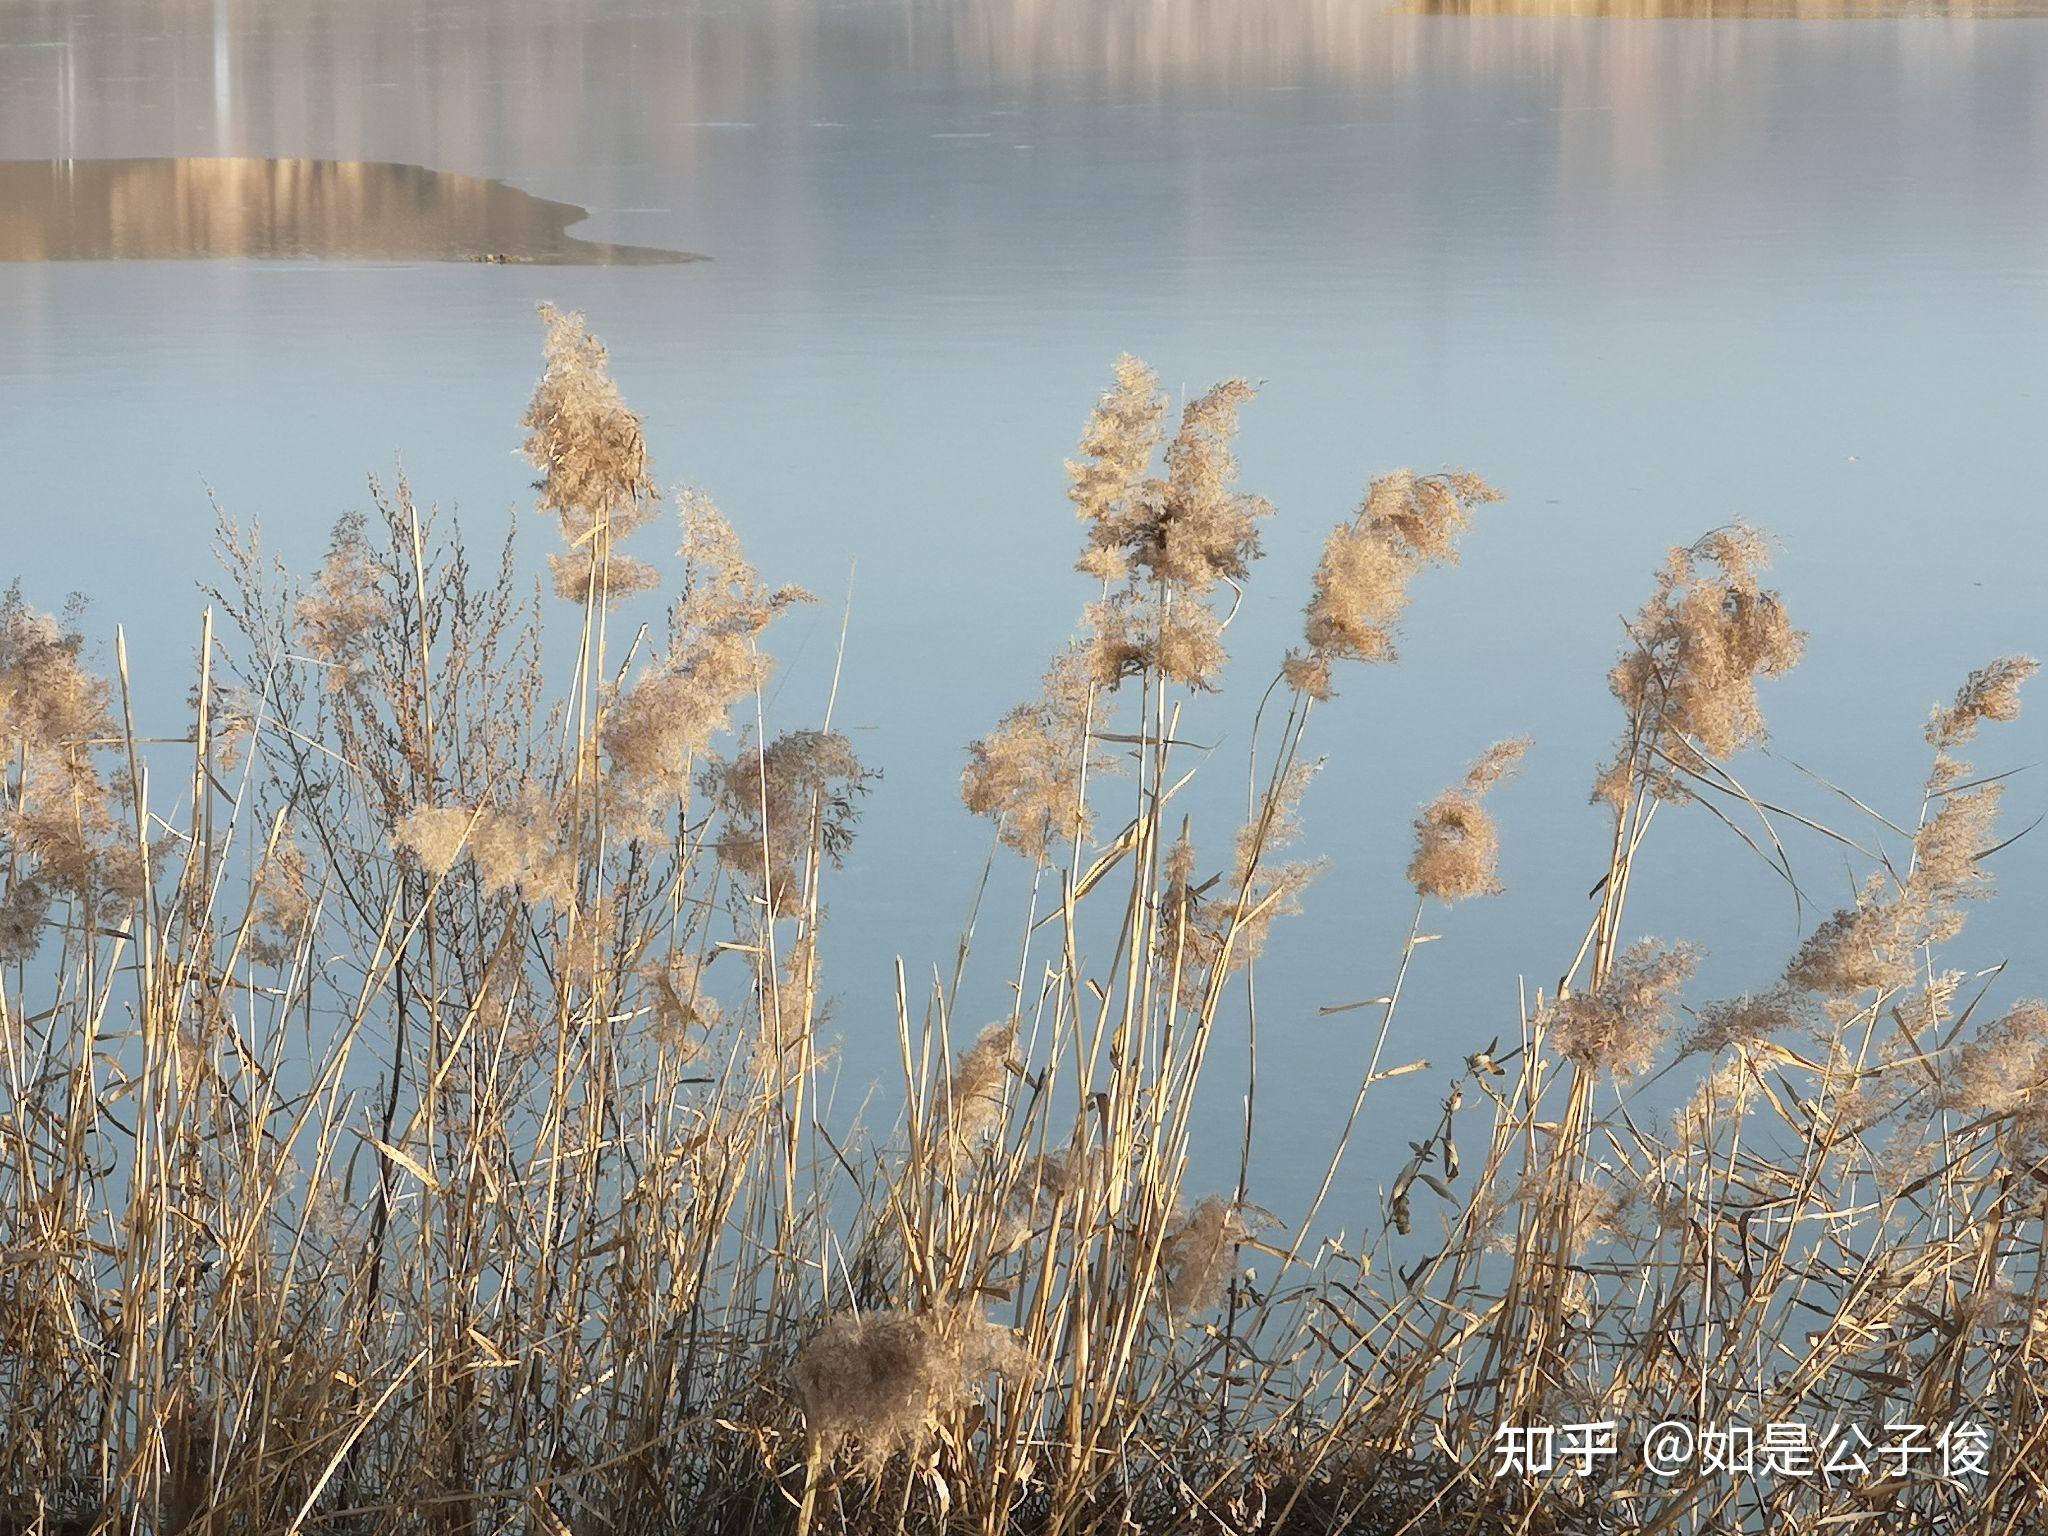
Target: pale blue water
pixel 1645 275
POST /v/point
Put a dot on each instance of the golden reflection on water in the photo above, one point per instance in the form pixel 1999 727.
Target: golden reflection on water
pixel 507 86
pixel 196 209
pixel 1736 10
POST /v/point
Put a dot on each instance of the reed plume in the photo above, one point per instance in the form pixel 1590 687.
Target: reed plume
pixel 418 1115
pixel 1457 845
pixel 1406 521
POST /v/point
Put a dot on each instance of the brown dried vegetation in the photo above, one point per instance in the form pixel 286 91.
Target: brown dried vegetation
pixel 415 1116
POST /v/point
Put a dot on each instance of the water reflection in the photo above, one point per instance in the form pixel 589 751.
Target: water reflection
pixel 192 209
pixel 1736 10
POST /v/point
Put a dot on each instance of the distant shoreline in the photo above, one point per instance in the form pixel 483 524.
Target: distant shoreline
pixel 1738 10
pixel 208 208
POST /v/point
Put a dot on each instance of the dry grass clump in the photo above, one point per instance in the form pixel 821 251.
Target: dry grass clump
pixel 884 1380
pixel 416 1115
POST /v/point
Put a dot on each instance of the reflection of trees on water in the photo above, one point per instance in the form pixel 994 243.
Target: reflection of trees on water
pixel 484 86
pixel 1592 121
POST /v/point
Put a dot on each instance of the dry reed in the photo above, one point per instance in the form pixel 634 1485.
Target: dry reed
pixel 411 1077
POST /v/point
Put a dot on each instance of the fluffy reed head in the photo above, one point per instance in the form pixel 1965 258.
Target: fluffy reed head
pixel 1042 1183
pixel 974 1102
pixel 1873 948
pixel 51 707
pixel 2003 1072
pixel 1161 542
pixel 521 846
pixel 1457 845
pixel 1187 529
pixel 346 602
pixel 587 445
pixel 1744 1024
pixel 787 1006
pixel 1107 483
pixel 802 789
pixel 59 835
pixel 1618 1025
pixel 435 835
pixel 1030 773
pixel 1862 948
pixel 660 730
pixel 1360 588
pixel 1225 920
pixel 583 576
pixel 1201 528
pixel 524 846
pixel 683 1011
pixel 1688 677
pixel 1197 1254
pixel 884 1380
pixel 1948 848
pixel 1992 692
pixel 282 902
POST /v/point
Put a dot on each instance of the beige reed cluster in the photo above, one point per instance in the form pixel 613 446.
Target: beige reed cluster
pixel 422 1110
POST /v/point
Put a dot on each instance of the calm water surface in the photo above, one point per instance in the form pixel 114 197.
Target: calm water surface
pixel 1647 275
